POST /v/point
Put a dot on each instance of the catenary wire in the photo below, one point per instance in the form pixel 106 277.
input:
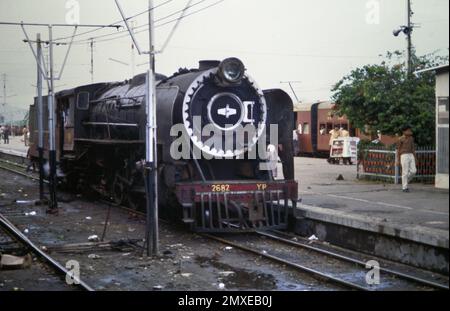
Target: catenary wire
pixel 119 34
pixel 115 23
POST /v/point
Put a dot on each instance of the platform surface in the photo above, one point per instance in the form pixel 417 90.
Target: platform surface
pixel 421 216
pixel 16 146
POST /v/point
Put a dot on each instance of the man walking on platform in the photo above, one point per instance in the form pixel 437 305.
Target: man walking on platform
pixel 6 133
pixel 25 135
pixel 407 157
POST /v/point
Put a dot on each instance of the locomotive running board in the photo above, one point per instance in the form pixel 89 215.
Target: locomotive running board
pixel 236 206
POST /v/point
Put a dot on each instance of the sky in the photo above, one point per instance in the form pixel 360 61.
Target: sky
pixel 314 42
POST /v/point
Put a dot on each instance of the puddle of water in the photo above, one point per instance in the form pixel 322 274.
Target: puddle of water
pixel 241 278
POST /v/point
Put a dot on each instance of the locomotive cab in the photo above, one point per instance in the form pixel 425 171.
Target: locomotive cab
pixel 72 107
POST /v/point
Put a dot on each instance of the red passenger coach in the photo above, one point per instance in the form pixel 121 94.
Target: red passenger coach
pixel 315 122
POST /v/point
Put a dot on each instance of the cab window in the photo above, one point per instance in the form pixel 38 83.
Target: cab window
pixel 83 101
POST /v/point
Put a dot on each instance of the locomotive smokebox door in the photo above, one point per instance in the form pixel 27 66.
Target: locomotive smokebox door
pixel 223 99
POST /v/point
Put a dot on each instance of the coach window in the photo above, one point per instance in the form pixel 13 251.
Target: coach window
pixel 330 127
pixel 306 129
pixel 323 129
pixel 83 101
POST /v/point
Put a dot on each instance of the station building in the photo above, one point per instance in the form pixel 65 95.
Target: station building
pixel 442 128
pixel 442 90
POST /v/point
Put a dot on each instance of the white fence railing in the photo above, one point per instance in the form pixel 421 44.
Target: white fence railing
pixel 379 163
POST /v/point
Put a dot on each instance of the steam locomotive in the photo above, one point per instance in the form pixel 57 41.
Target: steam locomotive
pixel 215 186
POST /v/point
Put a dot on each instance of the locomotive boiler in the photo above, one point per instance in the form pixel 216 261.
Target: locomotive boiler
pixel 212 122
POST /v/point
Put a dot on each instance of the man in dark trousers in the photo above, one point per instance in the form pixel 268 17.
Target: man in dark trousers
pixel 407 156
pixel 6 134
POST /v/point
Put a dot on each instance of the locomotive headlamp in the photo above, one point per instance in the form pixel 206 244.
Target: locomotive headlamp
pixel 231 70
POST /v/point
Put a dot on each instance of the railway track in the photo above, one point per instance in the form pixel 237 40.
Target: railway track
pixel 341 270
pixel 287 239
pixel 16 168
pixel 16 235
pixel 289 263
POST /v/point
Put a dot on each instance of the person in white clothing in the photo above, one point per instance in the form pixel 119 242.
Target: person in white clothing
pixel 407 157
pixel 273 160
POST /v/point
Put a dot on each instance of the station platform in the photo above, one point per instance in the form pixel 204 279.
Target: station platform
pixel 15 147
pixel 378 211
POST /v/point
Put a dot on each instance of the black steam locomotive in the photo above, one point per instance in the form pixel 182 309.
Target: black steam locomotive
pixel 206 178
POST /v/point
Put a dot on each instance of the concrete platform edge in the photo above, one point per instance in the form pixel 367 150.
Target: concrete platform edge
pixel 418 234
pixel 13 152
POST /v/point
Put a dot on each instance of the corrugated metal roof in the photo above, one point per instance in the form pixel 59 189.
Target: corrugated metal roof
pixel 438 69
pixel 302 107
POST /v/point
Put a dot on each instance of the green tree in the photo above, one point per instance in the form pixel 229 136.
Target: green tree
pixel 384 98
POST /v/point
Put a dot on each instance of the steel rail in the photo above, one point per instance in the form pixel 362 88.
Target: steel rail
pixel 322 275
pixel 19 172
pixel 12 163
pixel 17 234
pixel 352 260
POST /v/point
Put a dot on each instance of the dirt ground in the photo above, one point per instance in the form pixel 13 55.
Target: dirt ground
pixel 188 262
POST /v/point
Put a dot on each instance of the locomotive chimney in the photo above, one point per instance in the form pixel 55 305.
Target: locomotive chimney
pixel 208 64
pixel 138 80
